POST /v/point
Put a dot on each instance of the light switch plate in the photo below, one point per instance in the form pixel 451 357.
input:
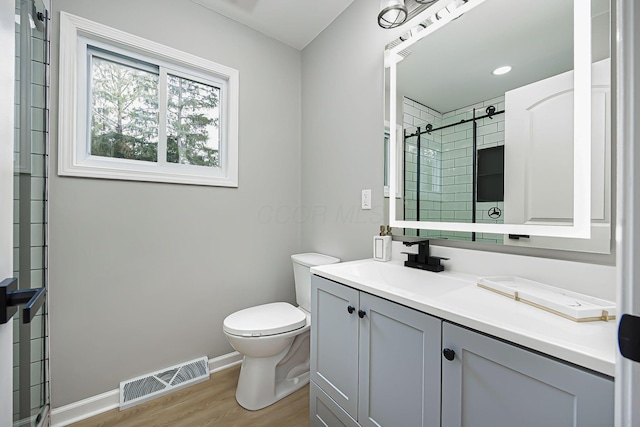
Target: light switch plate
pixel 366 199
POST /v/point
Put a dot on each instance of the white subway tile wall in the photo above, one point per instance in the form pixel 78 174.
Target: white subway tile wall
pixel 427 201
pixel 446 165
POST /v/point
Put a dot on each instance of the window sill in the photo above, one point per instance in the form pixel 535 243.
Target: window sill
pixel 177 174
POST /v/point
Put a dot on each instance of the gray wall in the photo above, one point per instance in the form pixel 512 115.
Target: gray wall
pixel 142 274
pixel 342 133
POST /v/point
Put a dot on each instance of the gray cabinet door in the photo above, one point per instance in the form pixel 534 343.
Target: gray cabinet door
pixel 325 412
pixel 490 383
pixel 399 366
pixel 334 342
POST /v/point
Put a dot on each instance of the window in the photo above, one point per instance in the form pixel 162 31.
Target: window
pixel 123 110
pixel 136 110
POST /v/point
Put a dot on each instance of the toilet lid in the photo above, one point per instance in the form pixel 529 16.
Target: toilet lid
pixel 267 319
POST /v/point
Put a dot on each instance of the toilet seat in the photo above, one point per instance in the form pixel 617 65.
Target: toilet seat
pixel 263 320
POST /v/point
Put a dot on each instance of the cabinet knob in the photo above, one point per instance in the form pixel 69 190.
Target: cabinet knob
pixel 362 313
pixel 351 309
pixel 449 354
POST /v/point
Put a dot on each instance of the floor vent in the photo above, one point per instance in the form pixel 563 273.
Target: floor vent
pixel 150 386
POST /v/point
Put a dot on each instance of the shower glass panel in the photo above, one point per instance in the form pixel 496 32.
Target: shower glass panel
pixel 410 171
pixel 457 171
pixel 440 164
pixel 30 355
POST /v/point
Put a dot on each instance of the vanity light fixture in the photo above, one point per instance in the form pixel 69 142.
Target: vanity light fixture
pixel 415 30
pixel 442 13
pixel 393 13
pixel 432 19
pixel 449 9
pixel 501 70
pixel 455 4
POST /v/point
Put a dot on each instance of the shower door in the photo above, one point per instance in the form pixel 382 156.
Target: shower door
pixel 6 197
pixel 30 160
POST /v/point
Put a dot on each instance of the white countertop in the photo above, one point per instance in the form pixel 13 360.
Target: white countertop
pixel 456 297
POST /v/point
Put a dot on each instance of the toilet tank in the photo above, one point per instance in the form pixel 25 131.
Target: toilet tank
pixel 302 276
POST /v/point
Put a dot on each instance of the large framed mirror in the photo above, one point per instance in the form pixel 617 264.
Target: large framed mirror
pixel 482 156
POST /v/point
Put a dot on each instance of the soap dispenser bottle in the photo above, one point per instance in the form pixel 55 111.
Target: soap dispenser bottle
pixel 382 245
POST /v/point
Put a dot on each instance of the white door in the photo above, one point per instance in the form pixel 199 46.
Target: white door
pixel 7 55
pixel 539 135
pixel 628 231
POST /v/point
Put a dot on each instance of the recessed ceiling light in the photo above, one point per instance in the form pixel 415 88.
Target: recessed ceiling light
pixel 501 70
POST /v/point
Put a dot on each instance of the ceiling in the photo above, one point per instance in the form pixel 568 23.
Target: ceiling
pixel 293 22
pixel 451 68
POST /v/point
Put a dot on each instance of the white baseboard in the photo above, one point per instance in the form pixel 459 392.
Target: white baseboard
pixel 95 405
pixel 224 362
pixel 85 408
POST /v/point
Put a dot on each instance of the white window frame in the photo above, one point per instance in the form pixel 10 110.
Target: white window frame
pixel 77 36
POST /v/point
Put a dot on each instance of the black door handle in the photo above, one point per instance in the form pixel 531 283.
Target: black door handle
pixel 11 297
pixel 362 313
pixel 518 236
pixel 629 337
pixel 351 309
pixel 449 354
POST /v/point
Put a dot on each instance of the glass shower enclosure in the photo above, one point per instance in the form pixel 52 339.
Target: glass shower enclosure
pixel 452 173
pixel 30 355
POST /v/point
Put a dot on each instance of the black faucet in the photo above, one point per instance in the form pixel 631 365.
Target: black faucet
pixel 422 259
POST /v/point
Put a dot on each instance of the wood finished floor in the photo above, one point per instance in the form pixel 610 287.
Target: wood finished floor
pixel 210 403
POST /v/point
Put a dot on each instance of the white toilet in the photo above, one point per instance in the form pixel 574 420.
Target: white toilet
pixel 274 340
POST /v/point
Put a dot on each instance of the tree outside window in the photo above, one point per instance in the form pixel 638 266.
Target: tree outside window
pixel 193 135
pixel 125 116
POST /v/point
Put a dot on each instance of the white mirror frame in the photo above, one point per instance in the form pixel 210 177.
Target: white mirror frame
pixel 387 129
pixel 581 227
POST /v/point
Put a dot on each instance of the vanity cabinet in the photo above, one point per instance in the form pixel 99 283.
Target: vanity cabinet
pixel 374 362
pixel 489 383
pixel 378 363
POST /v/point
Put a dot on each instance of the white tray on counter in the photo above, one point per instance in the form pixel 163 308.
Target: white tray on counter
pixel 571 305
